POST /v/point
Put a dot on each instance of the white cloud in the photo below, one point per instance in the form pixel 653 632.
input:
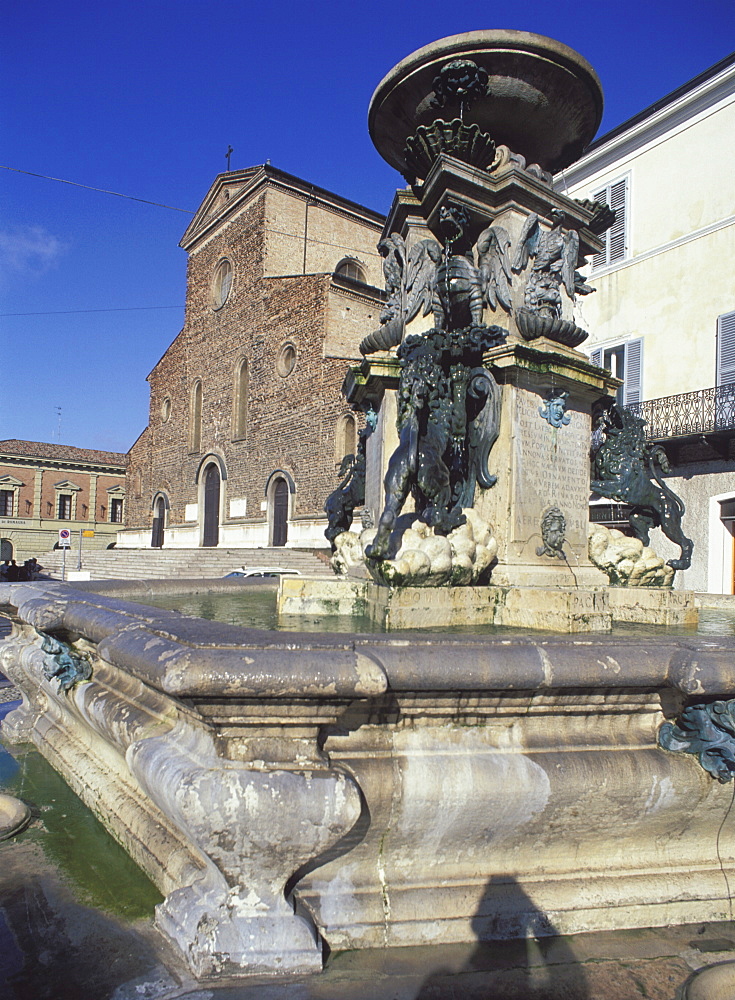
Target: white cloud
pixel 28 250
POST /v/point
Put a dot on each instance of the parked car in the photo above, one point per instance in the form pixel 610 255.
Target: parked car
pixel 251 571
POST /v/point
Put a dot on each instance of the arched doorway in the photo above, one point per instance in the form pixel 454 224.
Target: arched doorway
pixel 159 521
pixel 280 512
pixel 211 506
pixel 6 549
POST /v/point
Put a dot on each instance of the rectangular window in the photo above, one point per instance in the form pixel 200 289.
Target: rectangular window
pixel 624 361
pixel 64 512
pixel 616 195
pixel 6 503
pixel 116 510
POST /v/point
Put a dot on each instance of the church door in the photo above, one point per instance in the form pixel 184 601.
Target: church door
pixel 280 512
pixel 158 524
pixel 211 506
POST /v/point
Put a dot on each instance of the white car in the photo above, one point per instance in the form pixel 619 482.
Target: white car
pixel 244 571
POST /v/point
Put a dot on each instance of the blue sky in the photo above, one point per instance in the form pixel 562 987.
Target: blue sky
pixel 143 98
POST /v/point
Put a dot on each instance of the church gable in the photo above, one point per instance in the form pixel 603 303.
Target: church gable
pixel 226 196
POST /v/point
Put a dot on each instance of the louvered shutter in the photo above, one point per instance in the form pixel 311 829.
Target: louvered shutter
pixel 726 349
pixel 632 372
pixel 616 244
pixel 596 357
pixel 599 259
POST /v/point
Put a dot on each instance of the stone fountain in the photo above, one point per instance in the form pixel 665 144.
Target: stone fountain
pixel 480 499
pixel 291 791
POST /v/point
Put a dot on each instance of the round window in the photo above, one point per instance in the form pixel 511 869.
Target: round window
pixel 222 283
pixel 166 409
pixel 286 360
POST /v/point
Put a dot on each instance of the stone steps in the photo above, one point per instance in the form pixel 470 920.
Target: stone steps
pixel 149 564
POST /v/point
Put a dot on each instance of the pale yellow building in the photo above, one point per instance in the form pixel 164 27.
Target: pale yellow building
pixel 663 315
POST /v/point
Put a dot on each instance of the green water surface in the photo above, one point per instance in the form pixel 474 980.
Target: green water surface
pixel 73 840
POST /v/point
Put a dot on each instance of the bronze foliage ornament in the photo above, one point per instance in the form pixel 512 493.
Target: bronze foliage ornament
pixel 63 664
pixel 465 142
pixel 461 81
pixel 708 732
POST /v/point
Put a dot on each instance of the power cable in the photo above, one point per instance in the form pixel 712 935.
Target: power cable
pixel 158 204
pixel 89 187
pixel 69 312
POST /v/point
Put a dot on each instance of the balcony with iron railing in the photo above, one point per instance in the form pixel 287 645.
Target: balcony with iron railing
pixel 708 414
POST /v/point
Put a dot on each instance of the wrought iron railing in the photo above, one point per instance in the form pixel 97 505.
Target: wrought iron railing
pixel 689 413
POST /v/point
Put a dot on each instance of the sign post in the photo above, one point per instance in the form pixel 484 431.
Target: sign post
pixel 83 533
pixel 64 543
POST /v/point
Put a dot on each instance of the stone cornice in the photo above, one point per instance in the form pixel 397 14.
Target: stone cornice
pixel 357 290
pixel 58 464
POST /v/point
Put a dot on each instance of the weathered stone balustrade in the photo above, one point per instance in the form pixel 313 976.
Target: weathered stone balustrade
pixel 286 789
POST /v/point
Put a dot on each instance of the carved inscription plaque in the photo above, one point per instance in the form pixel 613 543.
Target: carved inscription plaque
pixel 550 468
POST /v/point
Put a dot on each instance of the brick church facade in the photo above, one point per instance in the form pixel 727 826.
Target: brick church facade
pixel 247 424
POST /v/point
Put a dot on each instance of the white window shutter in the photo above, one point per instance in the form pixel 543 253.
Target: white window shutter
pixel 599 259
pixel 616 238
pixel 617 248
pixel 726 349
pixel 596 357
pixel 633 371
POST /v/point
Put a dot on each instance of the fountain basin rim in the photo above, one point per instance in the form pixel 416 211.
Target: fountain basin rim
pixel 197 658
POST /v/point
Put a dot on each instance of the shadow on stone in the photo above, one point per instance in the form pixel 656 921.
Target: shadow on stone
pixel 53 948
pixel 537 964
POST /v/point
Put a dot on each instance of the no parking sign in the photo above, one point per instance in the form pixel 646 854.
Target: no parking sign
pixel 64 538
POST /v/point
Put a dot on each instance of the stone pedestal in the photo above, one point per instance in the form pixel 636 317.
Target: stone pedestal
pixel 653 606
pixel 556 609
pixel 373 385
pixel 541 466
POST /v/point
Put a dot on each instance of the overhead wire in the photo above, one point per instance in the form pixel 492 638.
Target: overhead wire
pixel 69 312
pixel 157 204
pixel 173 208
